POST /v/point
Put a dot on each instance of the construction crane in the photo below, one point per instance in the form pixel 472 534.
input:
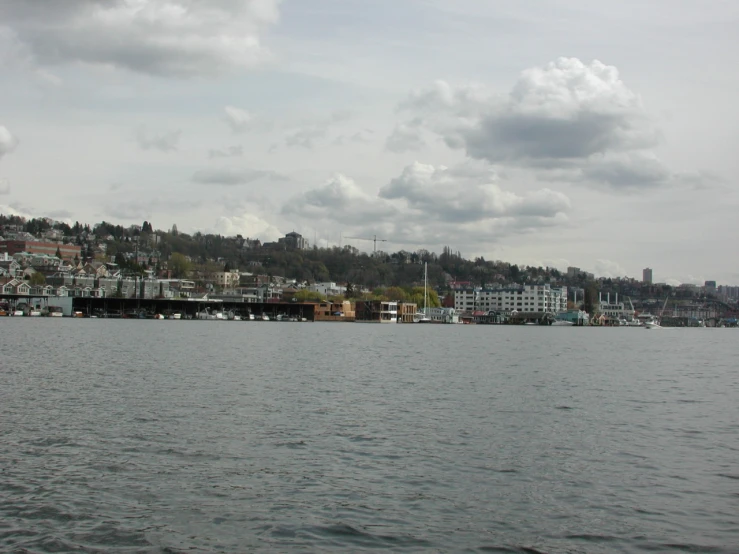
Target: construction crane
pixel 374 240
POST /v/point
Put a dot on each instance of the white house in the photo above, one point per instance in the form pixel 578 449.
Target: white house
pixel 327 289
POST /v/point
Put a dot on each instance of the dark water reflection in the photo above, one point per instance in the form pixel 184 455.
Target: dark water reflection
pixel 167 436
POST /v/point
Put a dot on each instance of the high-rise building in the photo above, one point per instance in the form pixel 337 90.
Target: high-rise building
pixel 646 275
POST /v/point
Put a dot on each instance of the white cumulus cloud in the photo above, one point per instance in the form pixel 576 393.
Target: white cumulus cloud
pixel 160 37
pixel 246 225
pixel 431 205
pixel 8 142
pixel 568 118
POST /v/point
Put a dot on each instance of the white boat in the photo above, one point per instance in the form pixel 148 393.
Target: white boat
pixel 562 323
pixel 176 316
pixel 16 313
pixel 265 317
pixel 55 311
pixel 206 314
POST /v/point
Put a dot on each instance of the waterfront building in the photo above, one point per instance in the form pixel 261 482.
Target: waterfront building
pixel 528 298
pixel 376 311
pixel 616 309
pixel 442 315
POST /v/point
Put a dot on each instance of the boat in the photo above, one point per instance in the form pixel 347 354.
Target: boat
pixel 55 311
pixel 32 311
pixel 562 323
pixel 652 322
pixel 423 317
pixel 265 317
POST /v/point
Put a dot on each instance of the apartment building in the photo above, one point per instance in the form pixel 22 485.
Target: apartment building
pixel 528 298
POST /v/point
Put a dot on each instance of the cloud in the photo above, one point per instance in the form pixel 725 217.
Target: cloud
pixel 230 152
pixel 158 37
pixel 339 199
pixel 166 142
pixel 432 205
pixel 468 194
pixel 58 215
pixel 140 210
pixel 239 120
pixel 246 225
pixel 608 268
pixel 16 209
pixel 565 116
pixel 406 137
pixel 8 142
pixel 360 137
pixel 231 177
pixel 307 135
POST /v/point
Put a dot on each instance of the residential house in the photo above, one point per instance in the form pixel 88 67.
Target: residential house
pixel 9 268
pixel 22 288
pixel 42 290
pixel 227 279
pixel 327 289
pixel 10 286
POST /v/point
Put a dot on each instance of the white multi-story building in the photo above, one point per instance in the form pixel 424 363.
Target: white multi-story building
pixel 615 309
pixel 327 289
pixel 529 298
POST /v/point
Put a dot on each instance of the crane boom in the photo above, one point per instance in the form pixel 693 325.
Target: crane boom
pixel 374 240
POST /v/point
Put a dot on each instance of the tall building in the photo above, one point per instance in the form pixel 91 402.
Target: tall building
pixel 710 287
pixel 293 240
pixel 646 275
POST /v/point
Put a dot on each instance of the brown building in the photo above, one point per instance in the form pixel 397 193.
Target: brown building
pixel 12 247
pixel 334 311
pixel 407 312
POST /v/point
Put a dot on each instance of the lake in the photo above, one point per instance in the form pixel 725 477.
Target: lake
pixel 131 436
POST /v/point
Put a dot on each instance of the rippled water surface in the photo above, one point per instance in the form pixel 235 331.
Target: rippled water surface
pixel 176 436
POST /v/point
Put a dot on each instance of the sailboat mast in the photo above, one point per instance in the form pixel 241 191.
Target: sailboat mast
pixel 425 287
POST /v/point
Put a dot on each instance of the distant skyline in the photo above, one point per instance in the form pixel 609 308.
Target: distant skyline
pixel 593 134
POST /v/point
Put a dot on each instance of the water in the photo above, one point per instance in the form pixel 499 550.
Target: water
pixel 168 436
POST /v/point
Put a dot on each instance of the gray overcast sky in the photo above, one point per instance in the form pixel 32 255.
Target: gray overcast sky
pixel 556 132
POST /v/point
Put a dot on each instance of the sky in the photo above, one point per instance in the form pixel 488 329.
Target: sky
pixel 595 134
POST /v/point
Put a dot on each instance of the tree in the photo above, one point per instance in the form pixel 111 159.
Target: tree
pixel 590 301
pixel 179 265
pixel 37 279
pixel 308 296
